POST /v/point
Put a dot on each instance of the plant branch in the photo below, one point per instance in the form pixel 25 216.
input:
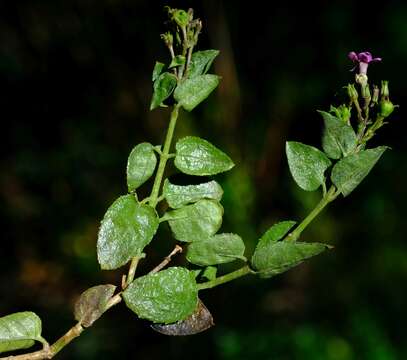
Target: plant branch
pixel 132 270
pixel 358 110
pixel 167 259
pixel 245 270
pixel 48 352
pixel 51 351
pixel 164 157
pixel 330 196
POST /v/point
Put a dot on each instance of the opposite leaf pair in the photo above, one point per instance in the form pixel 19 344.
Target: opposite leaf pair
pixel 308 164
pixel 189 91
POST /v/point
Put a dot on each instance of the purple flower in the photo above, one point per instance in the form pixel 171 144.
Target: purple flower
pixel 363 59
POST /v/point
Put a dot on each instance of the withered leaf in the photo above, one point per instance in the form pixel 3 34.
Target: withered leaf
pixel 92 304
pixel 200 320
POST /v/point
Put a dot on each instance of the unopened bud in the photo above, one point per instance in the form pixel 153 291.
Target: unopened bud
pixel 352 92
pixel 361 79
pixel 385 90
pixel 375 97
pixel 167 38
pixel 181 17
pixel 342 112
pixel 366 92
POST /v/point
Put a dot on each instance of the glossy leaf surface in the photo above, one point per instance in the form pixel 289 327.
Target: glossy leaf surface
pixel 163 88
pixel 196 156
pixel 140 165
pixel 307 165
pixel 277 257
pixel 195 222
pixel 180 195
pixel 158 68
pixel 275 233
pixel 217 249
pixel 192 91
pixel 165 297
pixel 19 331
pixel 125 230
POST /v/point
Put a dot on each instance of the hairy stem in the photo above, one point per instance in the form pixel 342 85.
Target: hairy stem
pixel 330 196
pixel 163 158
pixel 245 270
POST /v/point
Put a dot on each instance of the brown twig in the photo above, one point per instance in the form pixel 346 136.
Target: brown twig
pixel 167 259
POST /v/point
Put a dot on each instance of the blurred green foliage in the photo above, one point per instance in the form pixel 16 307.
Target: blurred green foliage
pixel 77 87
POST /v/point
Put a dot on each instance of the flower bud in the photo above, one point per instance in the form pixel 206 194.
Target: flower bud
pixel 342 112
pixel 375 97
pixel 385 90
pixel 167 38
pixel 366 92
pixel 361 79
pixel 181 17
pixel 386 108
pixel 352 92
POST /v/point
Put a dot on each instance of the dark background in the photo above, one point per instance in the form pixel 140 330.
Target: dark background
pixel 76 88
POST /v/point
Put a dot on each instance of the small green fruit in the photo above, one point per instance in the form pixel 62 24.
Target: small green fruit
pixel 386 108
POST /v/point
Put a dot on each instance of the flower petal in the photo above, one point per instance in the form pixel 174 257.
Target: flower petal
pixel 365 57
pixel 353 56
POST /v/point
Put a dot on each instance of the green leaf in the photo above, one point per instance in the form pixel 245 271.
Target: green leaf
pixel 210 272
pixel 217 249
pixel 125 230
pixel 164 297
pixel 192 91
pixel 163 88
pixel 277 257
pixel 348 172
pixel 196 156
pixel 179 195
pixel 140 165
pixel 19 331
pixel 195 222
pixel 177 61
pixel 275 233
pixel 307 165
pixel 201 61
pixel 158 68
pixel 339 138
pixel 200 320
pixel 93 303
